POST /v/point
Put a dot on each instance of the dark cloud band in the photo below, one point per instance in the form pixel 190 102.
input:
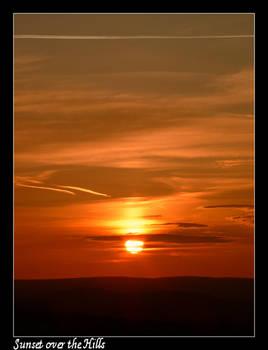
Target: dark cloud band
pixel 165 238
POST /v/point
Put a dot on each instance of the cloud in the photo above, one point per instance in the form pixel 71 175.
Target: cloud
pixel 39 179
pixel 190 224
pixel 229 163
pixel 45 188
pixel 248 206
pixel 163 238
pixel 34 178
pixel 28 63
pixel 243 219
pixel 128 37
pixel 85 190
pixel 136 150
pixel 182 224
pixel 154 216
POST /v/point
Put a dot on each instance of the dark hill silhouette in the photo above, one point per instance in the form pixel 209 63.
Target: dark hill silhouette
pixel 110 306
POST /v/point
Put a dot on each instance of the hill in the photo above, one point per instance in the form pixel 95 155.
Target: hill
pixel 111 306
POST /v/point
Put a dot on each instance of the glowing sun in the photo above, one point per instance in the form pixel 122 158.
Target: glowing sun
pixel 134 247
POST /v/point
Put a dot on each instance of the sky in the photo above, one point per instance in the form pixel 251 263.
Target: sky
pixel 133 127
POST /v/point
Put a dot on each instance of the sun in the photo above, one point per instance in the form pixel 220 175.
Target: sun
pixel 134 247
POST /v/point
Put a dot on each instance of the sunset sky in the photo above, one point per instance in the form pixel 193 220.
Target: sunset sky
pixel 125 129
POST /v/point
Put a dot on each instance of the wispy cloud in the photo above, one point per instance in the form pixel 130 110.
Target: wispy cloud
pixel 248 206
pixel 45 188
pixel 181 224
pixel 128 37
pixel 190 224
pixel 162 237
pixel 243 219
pixel 20 181
pixel 36 179
pixel 229 163
pixel 85 190
pixel 153 216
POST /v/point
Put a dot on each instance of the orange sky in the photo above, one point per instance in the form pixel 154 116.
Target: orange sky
pixel 146 138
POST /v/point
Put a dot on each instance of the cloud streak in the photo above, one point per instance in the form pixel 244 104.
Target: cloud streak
pixel 190 224
pixel 244 219
pixel 181 224
pixel 46 188
pixel 85 190
pixel 248 206
pixel 128 37
pixel 162 237
pixel 59 189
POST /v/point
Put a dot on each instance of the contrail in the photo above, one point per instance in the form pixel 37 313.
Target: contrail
pixel 46 188
pixel 128 37
pixel 65 191
pixel 85 190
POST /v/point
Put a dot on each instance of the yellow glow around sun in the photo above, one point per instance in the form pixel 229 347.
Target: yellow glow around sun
pixel 131 226
pixel 134 247
pixel 134 230
pixel 131 221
